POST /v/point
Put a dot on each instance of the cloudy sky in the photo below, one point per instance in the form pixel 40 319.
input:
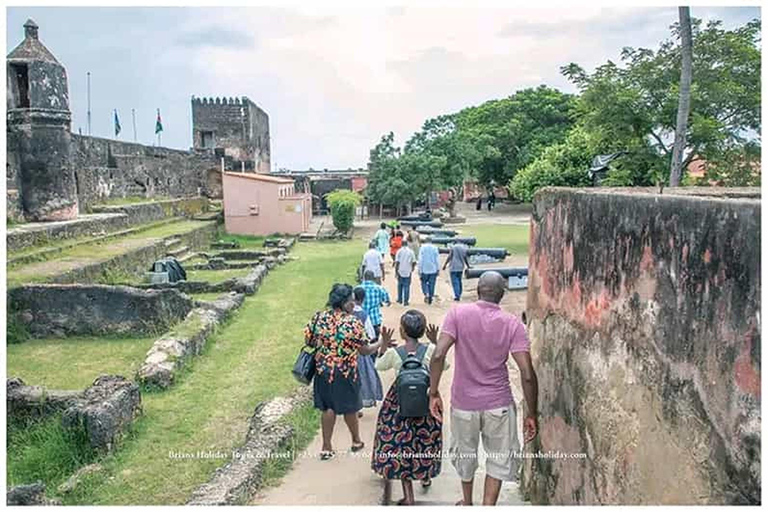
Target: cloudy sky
pixel 332 80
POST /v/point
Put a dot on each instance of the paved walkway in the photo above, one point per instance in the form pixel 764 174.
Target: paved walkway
pixel 347 479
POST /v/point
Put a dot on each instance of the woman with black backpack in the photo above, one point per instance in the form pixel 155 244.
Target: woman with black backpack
pixel 409 441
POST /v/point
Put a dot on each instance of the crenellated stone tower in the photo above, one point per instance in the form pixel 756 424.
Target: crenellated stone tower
pixel 235 129
pixel 38 131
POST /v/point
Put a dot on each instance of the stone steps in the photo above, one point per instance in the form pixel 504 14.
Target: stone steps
pixel 48 252
pixel 190 255
pixel 179 252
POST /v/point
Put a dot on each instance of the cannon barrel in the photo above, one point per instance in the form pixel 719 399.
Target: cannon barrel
pixel 416 223
pixel 443 240
pixel 418 216
pixel 426 230
pixel 493 252
pixel 474 273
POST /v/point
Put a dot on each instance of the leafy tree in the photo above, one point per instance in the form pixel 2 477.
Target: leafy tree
pixel 438 158
pixel 633 107
pixel 343 204
pixel 508 134
pixel 560 165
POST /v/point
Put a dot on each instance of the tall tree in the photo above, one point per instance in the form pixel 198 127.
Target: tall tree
pixel 633 106
pixel 684 105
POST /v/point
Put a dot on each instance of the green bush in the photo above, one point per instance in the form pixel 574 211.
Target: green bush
pixel 560 165
pixel 343 204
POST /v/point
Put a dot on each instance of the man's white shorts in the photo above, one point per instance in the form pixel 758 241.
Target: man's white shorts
pixel 498 428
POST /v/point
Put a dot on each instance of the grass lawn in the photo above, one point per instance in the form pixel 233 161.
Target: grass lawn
pixel 247 361
pixel 215 276
pixel 74 363
pixel 44 451
pixel 513 238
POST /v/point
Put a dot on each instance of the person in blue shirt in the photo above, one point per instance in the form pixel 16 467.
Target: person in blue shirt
pixel 375 296
pixel 428 266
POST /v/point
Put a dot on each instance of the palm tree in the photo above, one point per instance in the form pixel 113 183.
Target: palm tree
pixel 684 105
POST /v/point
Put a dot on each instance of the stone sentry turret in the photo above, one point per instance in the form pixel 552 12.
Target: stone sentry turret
pixel 235 129
pixel 38 123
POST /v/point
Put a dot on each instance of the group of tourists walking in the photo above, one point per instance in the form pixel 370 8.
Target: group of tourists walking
pixel 410 256
pixel 353 346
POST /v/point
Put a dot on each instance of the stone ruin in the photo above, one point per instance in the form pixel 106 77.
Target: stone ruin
pixel 53 174
pixel 103 411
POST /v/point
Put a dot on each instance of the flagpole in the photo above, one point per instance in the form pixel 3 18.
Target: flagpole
pixel 89 102
pixel 133 115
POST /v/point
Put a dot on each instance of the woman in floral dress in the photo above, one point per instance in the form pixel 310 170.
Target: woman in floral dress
pixel 406 449
pixel 339 337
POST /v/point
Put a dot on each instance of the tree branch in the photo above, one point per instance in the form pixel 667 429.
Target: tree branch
pixel 661 144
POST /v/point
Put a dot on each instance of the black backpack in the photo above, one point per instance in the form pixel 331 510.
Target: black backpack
pixel 413 383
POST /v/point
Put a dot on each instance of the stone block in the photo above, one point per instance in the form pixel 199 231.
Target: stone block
pixel 78 309
pixel 105 411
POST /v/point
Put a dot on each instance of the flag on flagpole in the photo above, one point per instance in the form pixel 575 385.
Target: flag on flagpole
pixel 117 124
pixel 159 123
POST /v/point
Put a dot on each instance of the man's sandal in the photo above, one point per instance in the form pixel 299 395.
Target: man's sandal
pixel 357 447
pixel 327 454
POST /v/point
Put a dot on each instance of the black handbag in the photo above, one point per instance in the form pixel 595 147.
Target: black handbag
pixel 304 367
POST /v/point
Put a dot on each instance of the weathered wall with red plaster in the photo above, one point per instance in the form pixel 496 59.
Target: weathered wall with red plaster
pixel 643 313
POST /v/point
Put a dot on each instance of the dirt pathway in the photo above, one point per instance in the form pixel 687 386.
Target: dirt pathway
pixel 348 479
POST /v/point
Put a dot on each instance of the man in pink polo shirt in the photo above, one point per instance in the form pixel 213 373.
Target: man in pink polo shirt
pixel 481 397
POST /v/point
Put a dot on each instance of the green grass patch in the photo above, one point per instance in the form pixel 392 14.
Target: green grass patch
pixel 74 363
pixel 247 361
pixel 514 238
pixel 215 276
pixel 245 241
pixel 45 451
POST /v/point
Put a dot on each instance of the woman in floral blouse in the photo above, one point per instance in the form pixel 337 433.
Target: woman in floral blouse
pixel 339 337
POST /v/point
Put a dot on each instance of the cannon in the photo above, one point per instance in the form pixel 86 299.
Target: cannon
pixel 444 240
pixel 417 216
pixel 517 277
pixel 475 273
pixel 426 230
pixel 493 252
pixel 417 223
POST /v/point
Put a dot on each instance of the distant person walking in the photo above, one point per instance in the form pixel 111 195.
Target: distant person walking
pixel 406 448
pixel 491 200
pixel 339 337
pixel 375 297
pixel 457 261
pixel 395 244
pixel 405 263
pixel 428 266
pixel 382 239
pixel 373 262
pixel 481 398
pixel 414 241
pixel 371 390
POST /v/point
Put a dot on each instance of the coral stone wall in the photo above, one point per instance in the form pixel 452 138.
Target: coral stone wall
pixel 643 313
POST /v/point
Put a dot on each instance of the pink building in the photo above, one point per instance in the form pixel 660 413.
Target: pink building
pixel 259 204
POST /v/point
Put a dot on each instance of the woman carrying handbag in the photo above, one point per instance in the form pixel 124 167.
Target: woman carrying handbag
pixel 338 337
